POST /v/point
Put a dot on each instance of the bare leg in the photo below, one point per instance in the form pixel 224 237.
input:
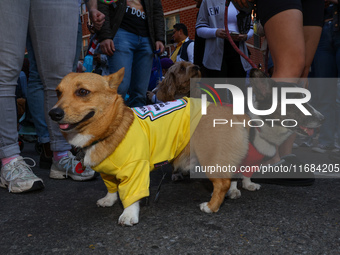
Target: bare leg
pixel 285 36
pixel 293 51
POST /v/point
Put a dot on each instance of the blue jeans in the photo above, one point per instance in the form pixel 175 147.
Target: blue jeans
pixel 326 68
pixel 135 54
pixel 35 96
pixel 53 29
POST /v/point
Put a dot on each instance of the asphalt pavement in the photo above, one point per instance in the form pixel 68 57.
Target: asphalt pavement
pixel 64 219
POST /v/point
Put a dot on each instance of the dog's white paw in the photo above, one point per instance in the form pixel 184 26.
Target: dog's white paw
pixel 108 200
pixel 249 185
pixel 130 215
pixel 204 208
pixel 234 193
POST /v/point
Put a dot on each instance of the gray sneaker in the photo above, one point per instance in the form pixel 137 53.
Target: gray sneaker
pixel 70 167
pixel 324 149
pixel 18 177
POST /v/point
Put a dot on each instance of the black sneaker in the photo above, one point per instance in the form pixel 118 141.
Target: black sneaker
pixel 46 154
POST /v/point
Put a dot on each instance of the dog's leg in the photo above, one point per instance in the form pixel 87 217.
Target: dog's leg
pixel 249 185
pixel 108 200
pixel 130 215
pixel 221 187
pixel 234 192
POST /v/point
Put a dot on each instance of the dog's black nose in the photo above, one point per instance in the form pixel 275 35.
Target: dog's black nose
pixel 56 114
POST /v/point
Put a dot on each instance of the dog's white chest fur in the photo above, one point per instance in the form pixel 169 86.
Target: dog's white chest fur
pixel 79 140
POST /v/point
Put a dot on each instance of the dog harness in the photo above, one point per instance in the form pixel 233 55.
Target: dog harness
pixel 253 158
pixel 164 131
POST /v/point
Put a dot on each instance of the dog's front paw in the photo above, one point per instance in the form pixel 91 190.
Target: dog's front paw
pixel 249 185
pixel 108 200
pixel 204 208
pixel 130 216
pixel 234 193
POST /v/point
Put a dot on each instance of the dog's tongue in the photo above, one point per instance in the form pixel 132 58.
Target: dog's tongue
pixel 64 126
pixel 309 131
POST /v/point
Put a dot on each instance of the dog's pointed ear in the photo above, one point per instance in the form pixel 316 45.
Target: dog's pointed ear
pixel 262 84
pixel 115 79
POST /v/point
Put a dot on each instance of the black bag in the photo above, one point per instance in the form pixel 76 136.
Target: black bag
pixel 243 22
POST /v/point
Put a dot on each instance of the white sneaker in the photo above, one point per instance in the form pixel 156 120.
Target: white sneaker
pixel 70 167
pixel 18 177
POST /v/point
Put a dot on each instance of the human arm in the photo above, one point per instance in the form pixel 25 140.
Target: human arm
pixel 160 47
pixel 190 51
pixel 96 16
pixel 105 35
pixel 159 26
pixel 107 47
pixel 203 27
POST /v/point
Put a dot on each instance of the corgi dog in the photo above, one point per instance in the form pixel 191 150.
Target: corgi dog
pixel 124 144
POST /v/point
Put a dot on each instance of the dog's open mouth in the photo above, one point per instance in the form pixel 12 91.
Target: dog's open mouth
pixel 305 131
pixel 68 126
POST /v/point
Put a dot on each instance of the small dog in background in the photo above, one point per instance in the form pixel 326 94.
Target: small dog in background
pixel 176 82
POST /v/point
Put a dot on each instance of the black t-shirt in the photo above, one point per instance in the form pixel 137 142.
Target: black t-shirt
pixel 135 20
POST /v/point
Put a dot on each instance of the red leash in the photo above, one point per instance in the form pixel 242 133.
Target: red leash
pixel 231 39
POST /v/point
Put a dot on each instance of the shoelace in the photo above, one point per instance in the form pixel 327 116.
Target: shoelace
pixel 67 163
pixel 23 167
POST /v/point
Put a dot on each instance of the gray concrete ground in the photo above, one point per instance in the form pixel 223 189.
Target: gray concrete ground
pixel 64 219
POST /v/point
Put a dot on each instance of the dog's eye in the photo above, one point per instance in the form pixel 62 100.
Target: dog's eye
pixel 182 68
pixel 82 92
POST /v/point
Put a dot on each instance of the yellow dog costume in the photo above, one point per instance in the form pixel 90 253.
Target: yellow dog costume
pixel 158 133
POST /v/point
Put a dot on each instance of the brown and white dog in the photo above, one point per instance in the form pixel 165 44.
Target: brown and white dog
pixel 176 81
pixel 91 115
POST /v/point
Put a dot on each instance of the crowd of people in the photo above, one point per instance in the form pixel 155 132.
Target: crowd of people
pixel 303 38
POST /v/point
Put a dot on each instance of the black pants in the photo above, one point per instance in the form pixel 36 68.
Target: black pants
pixel 231 64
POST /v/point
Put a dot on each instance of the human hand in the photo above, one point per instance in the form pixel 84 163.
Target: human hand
pixel 160 47
pixel 97 18
pixel 150 94
pixel 221 33
pixel 107 47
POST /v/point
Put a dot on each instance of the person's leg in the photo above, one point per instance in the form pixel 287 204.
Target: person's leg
pixel 336 40
pixel 54 43
pixel 312 35
pixel 325 89
pixel 13 19
pixel 35 98
pixel 284 32
pixel 141 66
pixel 35 101
pixel 285 36
pixel 125 44
pixel 15 175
